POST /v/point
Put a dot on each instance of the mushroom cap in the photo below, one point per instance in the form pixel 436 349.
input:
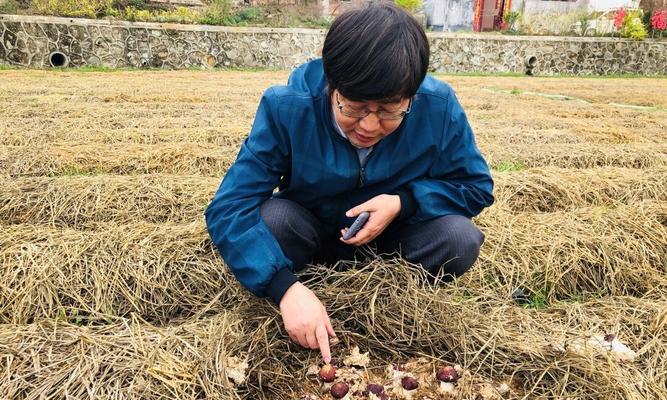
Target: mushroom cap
pixel 339 390
pixel 327 373
pixel 409 383
pixel 447 374
pixel 374 388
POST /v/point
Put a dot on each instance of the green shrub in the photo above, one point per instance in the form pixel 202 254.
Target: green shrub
pixel 633 26
pixel 249 14
pixel 584 23
pixel 138 4
pixel 216 12
pixel 409 5
pixel 511 19
pixel 132 14
pixel 73 8
pixel 112 12
pixel 181 15
pixel 8 7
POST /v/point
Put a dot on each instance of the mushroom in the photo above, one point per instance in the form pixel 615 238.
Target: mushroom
pixel 339 390
pixel 375 391
pixel 409 385
pixel 327 373
pixel 447 376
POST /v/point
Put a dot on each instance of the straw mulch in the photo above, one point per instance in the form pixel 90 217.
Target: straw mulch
pixel 156 271
pixel 127 359
pixel 110 287
pixel 383 306
pixel 77 201
pixel 160 271
pixel 552 189
pixel 86 159
pixel 218 135
pixel 209 160
pixel 632 155
pixel 600 250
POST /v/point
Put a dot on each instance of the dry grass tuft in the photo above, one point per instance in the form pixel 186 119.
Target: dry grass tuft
pixel 76 201
pixel 128 359
pixel 600 250
pixel 157 271
pixel 552 189
pixel 576 155
pixel 86 159
pixel 384 306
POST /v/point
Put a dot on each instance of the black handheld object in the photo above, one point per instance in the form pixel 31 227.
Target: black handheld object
pixel 356 225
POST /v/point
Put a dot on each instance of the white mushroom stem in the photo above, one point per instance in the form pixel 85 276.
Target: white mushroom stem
pixel 447 387
pixel 408 394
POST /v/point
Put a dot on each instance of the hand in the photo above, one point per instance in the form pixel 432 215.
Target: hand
pixel 383 209
pixel 306 320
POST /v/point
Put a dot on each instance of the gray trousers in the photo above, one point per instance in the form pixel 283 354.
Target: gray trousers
pixel 447 245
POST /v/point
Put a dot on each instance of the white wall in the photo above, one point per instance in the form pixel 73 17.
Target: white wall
pixel 604 5
pixel 531 7
pixel 452 15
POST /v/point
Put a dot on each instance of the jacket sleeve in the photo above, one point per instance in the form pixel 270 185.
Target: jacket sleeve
pixel 233 217
pixel 459 181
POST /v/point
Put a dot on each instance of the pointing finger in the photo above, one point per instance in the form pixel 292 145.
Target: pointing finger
pixel 323 341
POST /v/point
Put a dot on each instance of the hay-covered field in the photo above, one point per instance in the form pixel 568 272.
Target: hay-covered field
pixel 110 288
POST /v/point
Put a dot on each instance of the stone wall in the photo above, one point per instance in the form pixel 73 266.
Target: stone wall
pixel 42 42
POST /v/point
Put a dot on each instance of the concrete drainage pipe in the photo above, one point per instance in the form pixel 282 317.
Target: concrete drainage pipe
pixel 531 61
pixel 58 59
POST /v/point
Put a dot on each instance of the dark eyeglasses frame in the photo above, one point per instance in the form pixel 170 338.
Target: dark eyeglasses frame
pixel 379 113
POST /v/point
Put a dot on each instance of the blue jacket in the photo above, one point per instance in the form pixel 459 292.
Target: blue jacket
pixel 431 161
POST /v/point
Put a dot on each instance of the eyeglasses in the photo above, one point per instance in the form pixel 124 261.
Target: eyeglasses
pixel 351 112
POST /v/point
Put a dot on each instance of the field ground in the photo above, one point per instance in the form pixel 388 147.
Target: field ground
pixel 109 287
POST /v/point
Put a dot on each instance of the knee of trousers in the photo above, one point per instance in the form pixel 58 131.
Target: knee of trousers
pixel 292 228
pixel 459 248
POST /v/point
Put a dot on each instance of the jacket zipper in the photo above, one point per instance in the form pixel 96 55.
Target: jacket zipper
pixel 362 167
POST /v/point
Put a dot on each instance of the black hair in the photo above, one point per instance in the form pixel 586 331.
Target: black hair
pixel 375 52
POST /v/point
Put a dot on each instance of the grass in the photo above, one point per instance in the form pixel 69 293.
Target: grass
pixel 480 73
pixel 74 170
pixel 507 166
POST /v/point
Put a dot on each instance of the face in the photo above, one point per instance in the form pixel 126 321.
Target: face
pixel 368 131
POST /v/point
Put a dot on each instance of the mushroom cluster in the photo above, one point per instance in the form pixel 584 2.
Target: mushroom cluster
pixel 401 381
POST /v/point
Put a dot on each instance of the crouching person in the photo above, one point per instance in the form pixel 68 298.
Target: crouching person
pixel 363 129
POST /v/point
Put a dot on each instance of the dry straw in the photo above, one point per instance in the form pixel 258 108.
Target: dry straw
pixel 76 201
pixel 157 271
pixel 590 155
pixel 110 288
pixel 550 189
pixel 609 251
pixel 384 306
pixel 210 160
pixel 128 359
pixel 56 131
pixel 161 271
pixel 172 158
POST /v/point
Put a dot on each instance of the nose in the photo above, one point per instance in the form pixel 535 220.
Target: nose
pixel 370 123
